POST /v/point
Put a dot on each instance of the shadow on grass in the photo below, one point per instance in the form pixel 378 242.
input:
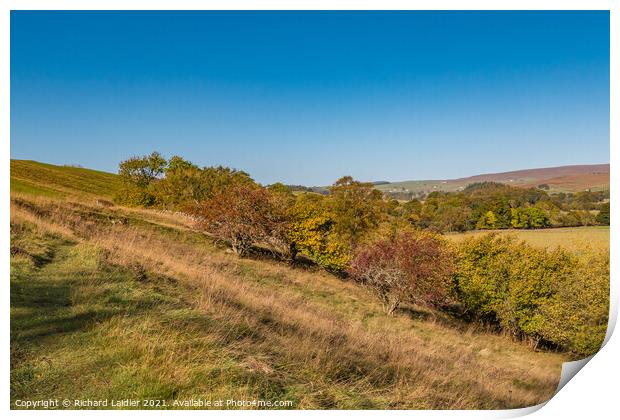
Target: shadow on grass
pixel 41 308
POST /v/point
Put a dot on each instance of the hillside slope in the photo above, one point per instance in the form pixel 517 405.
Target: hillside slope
pixel 37 178
pixel 573 177
pixel 123 303
pixel 559 179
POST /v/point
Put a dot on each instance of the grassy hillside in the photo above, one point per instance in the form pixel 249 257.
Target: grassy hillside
pixel 118 303
pixel 43 179
pixel 115 303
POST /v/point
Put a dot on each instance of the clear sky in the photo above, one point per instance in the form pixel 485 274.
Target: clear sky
pixel 306 97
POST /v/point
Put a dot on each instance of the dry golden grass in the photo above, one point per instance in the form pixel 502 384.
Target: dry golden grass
pixel 308 336
pixel 576 239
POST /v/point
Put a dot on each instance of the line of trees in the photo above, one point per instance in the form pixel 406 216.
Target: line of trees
pixel 328 228
pixel 235 209
pixel 395 249
pixel 490 205
pixel 153 181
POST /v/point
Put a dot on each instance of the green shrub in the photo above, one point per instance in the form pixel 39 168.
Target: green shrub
pixel 603 217
pixel 529 218
pixel 577 314
pixel 532 293
pixel 138 175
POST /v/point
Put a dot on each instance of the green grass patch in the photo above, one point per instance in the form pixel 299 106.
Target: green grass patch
pixel 26 187
pixel 83 328
pixel 37 178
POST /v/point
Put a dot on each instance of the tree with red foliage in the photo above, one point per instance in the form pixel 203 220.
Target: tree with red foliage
pixel 243 216
pixel 412 266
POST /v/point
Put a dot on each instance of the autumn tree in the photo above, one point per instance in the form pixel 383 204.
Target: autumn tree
pixel 185 184
pixel 182 184
pixel 529 218
pixel 412 211
pixel 280 188
pixel 243 215
pixel 411 266
pixel 218 178
pixel 487 221
pixel 138 175
pixel 311 232
pixel 357 207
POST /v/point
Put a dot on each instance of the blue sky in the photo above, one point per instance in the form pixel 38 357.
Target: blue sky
pixel 306 97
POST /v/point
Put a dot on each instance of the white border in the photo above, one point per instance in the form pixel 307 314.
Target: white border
pixel 594 391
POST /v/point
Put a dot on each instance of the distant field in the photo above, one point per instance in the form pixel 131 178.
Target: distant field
pixel 423 186
pixel 30 177
pixel 559 179
pixel 574 239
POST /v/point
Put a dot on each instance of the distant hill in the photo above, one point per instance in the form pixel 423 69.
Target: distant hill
pixel 32 177
pixel 559 179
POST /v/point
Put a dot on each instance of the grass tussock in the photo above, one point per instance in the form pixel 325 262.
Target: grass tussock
pixel 148 308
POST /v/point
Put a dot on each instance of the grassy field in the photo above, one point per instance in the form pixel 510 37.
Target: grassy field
pixel 576 239
pixel 422 186
pixel 149 308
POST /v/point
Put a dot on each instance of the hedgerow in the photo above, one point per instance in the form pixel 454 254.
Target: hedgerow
pixel 550 296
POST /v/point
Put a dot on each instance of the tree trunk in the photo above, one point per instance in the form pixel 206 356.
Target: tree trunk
pixel 292 253
pixel 391 305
